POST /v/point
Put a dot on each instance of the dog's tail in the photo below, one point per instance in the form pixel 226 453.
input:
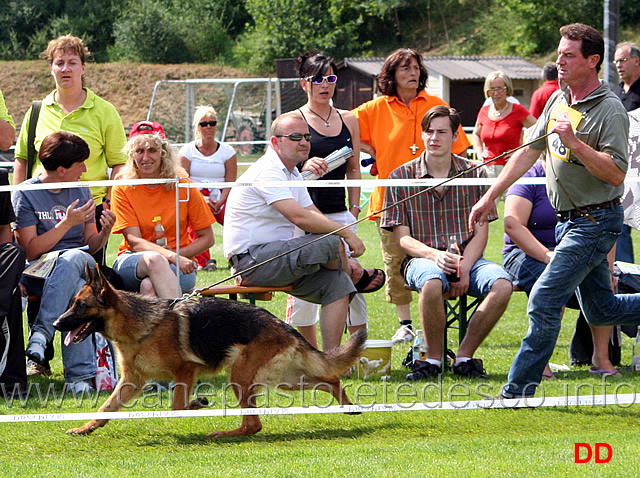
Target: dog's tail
pixel 340 359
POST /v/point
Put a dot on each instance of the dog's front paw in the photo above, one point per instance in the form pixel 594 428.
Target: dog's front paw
pixel 198 403
pixel 85 430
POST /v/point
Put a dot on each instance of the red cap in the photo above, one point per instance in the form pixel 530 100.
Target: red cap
pixel 146 127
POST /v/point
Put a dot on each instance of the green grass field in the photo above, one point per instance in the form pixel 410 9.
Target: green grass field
pixel 460 443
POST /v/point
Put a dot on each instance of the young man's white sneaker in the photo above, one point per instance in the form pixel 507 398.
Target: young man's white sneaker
pixel 404 334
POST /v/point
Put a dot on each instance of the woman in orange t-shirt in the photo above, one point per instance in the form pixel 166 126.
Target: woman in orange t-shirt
pixel 391 132
pixel 145 262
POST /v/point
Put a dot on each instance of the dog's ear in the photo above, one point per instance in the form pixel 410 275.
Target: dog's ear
pixel 101 285
pixel 87 273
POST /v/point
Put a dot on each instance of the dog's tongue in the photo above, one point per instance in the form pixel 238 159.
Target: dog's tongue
pixel 71 335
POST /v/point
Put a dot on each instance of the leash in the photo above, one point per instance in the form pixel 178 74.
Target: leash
pixel 198 291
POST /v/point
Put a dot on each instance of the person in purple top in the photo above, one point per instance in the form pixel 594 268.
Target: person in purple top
pixel 529 241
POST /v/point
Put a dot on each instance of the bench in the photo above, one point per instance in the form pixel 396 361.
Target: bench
pixel 251 293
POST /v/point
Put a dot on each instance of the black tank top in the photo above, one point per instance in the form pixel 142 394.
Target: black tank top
pixel 329 200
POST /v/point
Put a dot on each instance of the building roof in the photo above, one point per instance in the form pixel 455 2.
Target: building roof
pixel 458 67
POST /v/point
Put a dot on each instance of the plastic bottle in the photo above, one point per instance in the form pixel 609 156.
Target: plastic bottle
pixel 159 234
pixel 635 360
pixel 419 347
pixel 454 249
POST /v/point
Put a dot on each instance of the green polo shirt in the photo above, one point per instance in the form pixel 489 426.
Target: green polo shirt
pixel 96 121
pixel 605 127
pixel 4 112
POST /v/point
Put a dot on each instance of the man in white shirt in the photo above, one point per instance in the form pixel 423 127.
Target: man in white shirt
pixel 260 222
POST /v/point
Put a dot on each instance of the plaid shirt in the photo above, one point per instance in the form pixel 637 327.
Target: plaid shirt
pixel 434 217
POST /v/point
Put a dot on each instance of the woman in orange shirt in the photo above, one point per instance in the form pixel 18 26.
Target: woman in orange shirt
pixel 145 262
pixel 391 132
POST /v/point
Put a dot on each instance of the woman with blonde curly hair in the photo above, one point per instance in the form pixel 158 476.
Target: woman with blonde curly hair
pixel 146 262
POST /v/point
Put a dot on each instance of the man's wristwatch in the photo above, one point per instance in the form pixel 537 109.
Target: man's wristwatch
pixel 356 206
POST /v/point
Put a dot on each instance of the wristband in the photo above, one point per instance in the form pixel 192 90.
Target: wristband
pixel 356 206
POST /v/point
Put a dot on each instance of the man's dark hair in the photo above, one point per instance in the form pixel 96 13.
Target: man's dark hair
pixel 387 78
pixel 62 149
pixel 441 111
pixel 550 72
pixel 592 41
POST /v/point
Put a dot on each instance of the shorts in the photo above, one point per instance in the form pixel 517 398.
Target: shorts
pixel 126 265
pixel 481 278
pixel 524 269
pixel 302 268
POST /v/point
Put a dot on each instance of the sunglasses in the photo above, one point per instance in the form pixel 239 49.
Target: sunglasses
pixel 497 90
pixel 296 136
pixel 318 81
pixel 204 124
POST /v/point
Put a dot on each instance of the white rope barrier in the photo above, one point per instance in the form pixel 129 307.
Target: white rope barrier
pixel 367 184
pixel 619 400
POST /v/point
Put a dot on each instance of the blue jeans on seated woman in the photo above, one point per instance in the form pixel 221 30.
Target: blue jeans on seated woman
pixel 580 262
pixel 58 290
pixel 524 269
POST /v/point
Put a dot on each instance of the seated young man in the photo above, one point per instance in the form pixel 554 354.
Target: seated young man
pixel 60 220
pixel 260 224
pixel 424 228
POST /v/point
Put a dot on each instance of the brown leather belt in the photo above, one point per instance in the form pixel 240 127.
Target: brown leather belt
pixel 584 210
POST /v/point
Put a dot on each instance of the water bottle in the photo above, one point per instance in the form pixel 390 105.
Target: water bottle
pixel 454 249
pixel 159 234
pixel 635 360
pixel 419 347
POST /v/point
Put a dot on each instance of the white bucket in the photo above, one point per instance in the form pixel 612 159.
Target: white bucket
pixel 375 361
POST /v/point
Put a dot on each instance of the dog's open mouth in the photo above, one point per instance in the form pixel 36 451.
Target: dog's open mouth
pixel 78 335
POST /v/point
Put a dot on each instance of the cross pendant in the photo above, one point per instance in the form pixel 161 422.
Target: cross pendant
pixel 413 148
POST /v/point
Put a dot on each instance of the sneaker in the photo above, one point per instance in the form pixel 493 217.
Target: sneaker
pixel 422 370
pixel 35 369
pixel 35 349
pixel 404 334
pixel 80 387
pixel 471 368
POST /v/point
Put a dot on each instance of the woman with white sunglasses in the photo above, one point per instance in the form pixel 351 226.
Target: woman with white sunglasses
pixel 330 129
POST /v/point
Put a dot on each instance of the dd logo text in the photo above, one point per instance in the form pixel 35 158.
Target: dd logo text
pixel 596 452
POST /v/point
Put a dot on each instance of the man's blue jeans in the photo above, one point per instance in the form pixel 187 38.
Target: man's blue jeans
pixel 624 246
pixel 580 261
pixel 66 279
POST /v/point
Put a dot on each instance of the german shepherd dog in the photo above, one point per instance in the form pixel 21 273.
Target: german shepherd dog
pixel 155 340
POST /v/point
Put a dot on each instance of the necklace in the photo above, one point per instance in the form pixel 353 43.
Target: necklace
pixel 414 147
pixel 498 112
pixel 326 121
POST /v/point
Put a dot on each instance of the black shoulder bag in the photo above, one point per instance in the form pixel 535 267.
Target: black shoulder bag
pixel 31 136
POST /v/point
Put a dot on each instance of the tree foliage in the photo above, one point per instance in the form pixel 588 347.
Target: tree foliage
pixel 255 32
pixel 173 31
pixel 285 28
pixel 28 25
